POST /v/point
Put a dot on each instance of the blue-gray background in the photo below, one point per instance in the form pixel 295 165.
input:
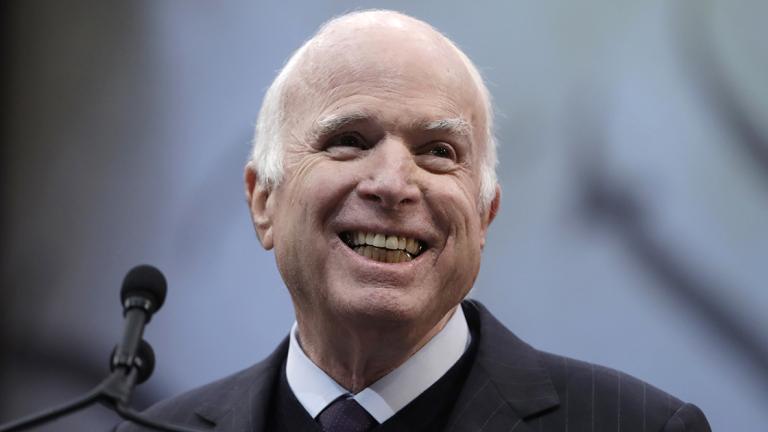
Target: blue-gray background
pixel 634 166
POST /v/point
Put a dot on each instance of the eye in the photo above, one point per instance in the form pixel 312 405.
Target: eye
pixel 438 157
pixel 350 139
pixel 442 150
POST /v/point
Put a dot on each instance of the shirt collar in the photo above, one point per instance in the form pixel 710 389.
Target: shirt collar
pixel 315 389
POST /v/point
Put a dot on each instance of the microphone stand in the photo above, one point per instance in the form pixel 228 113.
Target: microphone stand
pixel 132 362
pixel 114 392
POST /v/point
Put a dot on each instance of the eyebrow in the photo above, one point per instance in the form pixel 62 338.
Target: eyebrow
pixel 453 126
pixel 334 122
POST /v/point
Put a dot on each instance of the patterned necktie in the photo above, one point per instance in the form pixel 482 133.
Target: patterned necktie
pixel 346 415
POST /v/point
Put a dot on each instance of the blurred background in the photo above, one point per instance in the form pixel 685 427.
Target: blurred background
pixel 634 167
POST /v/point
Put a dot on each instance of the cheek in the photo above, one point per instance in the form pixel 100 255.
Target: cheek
pixel 316 186
pixel 455 205
pixel 325 192
pixel 457 211
pixel 314 191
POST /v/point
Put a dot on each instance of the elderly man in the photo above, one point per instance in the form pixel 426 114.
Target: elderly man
pixel 372 179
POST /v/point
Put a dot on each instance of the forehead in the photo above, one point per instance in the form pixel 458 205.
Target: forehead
pixel 360 64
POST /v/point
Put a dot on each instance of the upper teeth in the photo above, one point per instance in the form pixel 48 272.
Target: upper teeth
pixel 411 245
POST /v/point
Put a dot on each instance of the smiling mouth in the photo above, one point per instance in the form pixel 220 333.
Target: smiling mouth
pixel 383 248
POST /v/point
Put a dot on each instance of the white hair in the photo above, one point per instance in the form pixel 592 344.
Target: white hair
pixel 268 149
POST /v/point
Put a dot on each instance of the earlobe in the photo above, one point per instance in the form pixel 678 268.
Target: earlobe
pixel 490 214
pixel 258 200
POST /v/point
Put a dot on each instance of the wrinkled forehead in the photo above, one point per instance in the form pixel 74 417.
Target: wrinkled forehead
pixel 399 54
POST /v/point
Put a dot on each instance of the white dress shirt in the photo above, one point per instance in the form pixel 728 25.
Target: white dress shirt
pixel 315 390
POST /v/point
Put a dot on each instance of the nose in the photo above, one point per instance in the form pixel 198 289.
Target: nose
pixel 389 177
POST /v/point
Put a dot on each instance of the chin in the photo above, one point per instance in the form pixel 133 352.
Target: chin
pixel 389 306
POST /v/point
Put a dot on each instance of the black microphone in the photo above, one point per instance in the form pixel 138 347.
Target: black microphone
pixel 132 361
pixel 142 294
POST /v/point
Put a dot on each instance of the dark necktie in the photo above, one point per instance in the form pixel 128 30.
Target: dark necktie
pixel 346 415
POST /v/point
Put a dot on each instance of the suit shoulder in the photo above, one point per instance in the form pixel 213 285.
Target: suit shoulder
pixel 193 407
pixel 688 418
pixel 210 393
pixel 181 409
pixel 566 370
pixel 590 387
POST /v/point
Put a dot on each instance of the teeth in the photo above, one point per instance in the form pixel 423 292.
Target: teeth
pixel 383 255
pixel 392 256
pixel 412 246
pixel 392 242
pixel 380 247
pixel 382 241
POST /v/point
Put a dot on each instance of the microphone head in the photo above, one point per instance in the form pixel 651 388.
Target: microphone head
pixel 147 283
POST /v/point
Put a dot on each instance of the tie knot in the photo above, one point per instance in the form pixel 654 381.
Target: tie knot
pixel 345 415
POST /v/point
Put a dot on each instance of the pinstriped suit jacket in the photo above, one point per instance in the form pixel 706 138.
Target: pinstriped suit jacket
pixel 511 387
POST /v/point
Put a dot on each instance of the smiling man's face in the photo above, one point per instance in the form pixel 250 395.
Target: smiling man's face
pixel 378 218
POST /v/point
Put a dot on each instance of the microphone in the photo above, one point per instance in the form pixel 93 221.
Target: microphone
pixel 132 361
pixel 143 293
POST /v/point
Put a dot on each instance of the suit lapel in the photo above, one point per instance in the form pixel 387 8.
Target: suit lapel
pixel 506 383
pixel 244 405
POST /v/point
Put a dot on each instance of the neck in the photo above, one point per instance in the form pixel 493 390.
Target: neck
pixel 357 353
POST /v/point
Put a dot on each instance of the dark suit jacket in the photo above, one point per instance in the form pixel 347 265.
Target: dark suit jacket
pixel 511 387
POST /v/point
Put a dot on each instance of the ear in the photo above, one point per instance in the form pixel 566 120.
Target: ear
pixel 258 200
pixel 490 214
